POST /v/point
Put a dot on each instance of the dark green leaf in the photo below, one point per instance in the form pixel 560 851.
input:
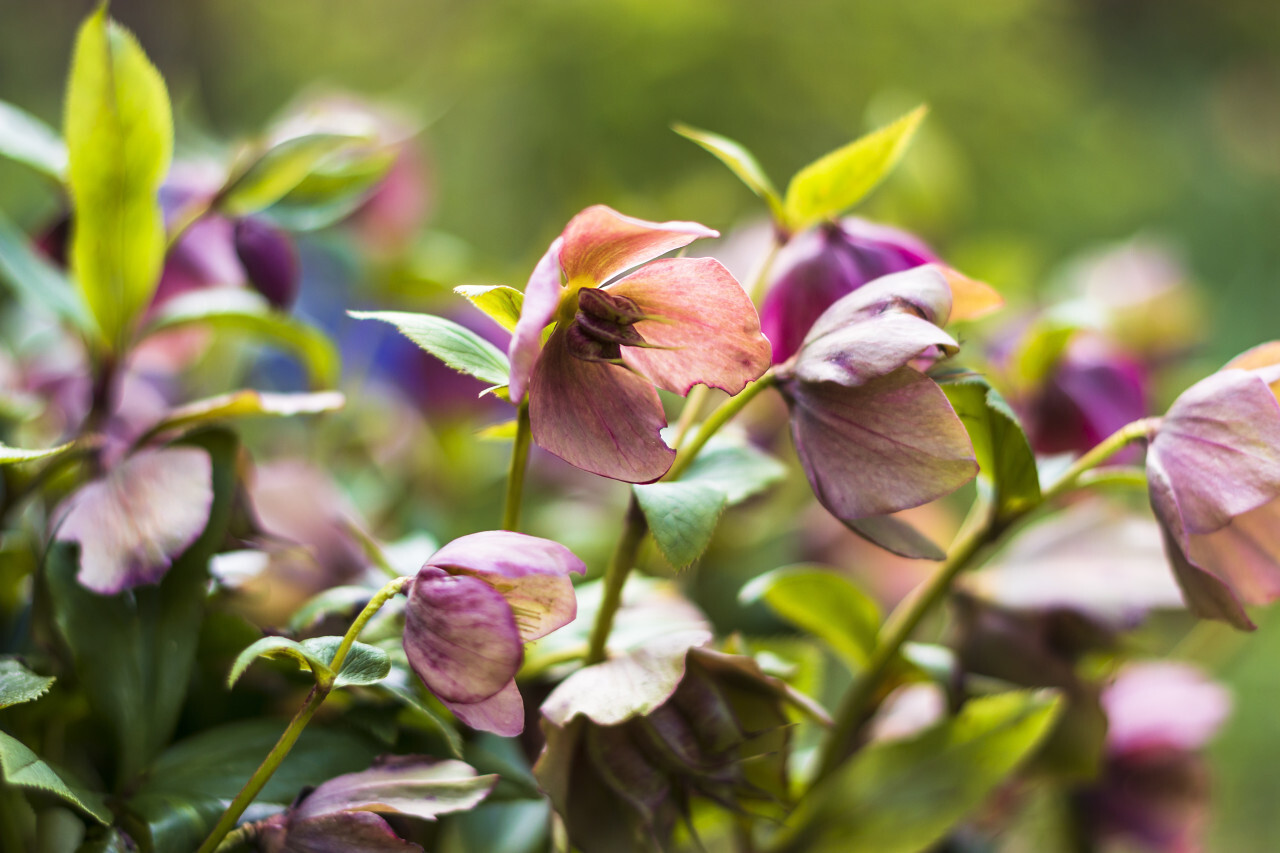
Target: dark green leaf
pixel 23 768
pixel 1003 452
pixel 280 169
pixel 837 181
pixel 363 665
pixel 134 652
pixel 824 603
pixel 741 162
pixel 37 283
pixel 455 345
pixel 119 142
pixel 277 647
pixel 682 517
pixel 503 304
pixel 27 139
pixel 233 310
pixel 19 684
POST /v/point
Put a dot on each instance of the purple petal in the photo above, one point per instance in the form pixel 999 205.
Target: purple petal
pixel 1163 705
pixel 600 243
pixel 599 417
pixel 1218 449
pixel 1093 392
pixel 400 784
pixel 460 636
pixel 923 291
pixel 502 713
pixel 1245 554
pixel 531 573
pixel 864 350
pixel 541 299
pixel 881 447
pixel 132 523
pixel 705 323
pixel 812 276
pixel 270 261
pixel 345 832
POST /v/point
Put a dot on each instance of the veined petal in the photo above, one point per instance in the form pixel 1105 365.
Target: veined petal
pixel 400 784
pixel 600 243
pixel 460 636
pixel 705 324
pixel 531 573
pixel 861 351
pixel 921 290
pixel 135 521
pixel 1245 554
pixel 884 446
pixel 541 299
pixel 343 832
pixel 1219 449
pixel 502 713
pixel 599 417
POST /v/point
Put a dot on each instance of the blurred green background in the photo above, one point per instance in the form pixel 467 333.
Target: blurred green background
pixel 1055 126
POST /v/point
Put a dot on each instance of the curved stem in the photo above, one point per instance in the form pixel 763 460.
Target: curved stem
pixel 1101 452
pixel 721 416
pixel 299 722
pixel 515 475
pixel 615 578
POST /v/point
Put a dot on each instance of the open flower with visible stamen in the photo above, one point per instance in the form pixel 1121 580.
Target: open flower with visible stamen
pixel 670 324
pixel 472 607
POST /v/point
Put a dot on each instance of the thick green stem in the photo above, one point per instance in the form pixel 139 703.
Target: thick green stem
pixel 721 416
pixel 324 684
pixel 515 476
pixel 615 578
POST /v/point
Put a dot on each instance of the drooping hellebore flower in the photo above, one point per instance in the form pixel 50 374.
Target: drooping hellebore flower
pixel 824 264
pixel 874 434
pixel 1213 474
pixel 672 324
pixel 472 607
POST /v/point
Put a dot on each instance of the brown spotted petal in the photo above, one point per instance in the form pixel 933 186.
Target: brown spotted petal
pixel 135 521
pixel 600 243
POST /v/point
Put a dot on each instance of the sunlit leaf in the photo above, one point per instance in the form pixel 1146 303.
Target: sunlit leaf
pixel 682 517
pixel 364 664
pixel 333 190
pixel 455 345
pixel 740 161
pixel 279 170
pixel 28 140
pixel 824 603
pixel 498 301
pixel 247 403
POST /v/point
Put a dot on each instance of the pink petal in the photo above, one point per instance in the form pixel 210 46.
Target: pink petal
pixel 134 522
pixel 460 636
pixel 708 327
pixel 861 351
pixel 532 574
pixel 599 417
pixel 922 291
pixel 400 784
pixel 502 713
pixel 884 446
pixel 1163 705
pixel 1245 554
pixel 541 299
pixel 600 243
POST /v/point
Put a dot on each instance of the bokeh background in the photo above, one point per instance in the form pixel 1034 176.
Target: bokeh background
pixel 1056 127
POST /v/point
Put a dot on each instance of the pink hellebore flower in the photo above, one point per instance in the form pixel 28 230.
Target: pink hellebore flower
pixel 1213 473
pixel 672 323
pixel 472 606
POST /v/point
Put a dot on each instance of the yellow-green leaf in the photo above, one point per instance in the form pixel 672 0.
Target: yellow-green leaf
pixel 741 162
pixel 500 302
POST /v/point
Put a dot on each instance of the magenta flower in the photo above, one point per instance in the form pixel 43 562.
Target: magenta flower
pixel 472 607
pixel 1213 473
pixel 874 434
pixel 820 266
pixel 672 324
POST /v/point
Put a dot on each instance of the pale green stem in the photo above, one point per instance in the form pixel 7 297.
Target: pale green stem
pixel 519 463
pixel 324 684
pixel 721 416
pixel 689 414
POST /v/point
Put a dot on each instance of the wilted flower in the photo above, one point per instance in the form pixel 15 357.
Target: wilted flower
pixel 472 606
pixel 876 435
pixel 825 264
pixel 1213 473
pixel 672 323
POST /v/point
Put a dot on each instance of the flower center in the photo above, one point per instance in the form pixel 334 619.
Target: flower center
pixel 602 325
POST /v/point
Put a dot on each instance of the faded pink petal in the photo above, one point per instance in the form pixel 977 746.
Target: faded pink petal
pixel 1163 705
pixel 541 299
pixel 1245 554
pixel 343 832
pixel 922 291
pixel 460 636
pixel 412 785
pixel 705 324
pixel 596 416
pixel 135 521
pixel 600 243
pixel 886 445
pixel 859 352
pixel 502 713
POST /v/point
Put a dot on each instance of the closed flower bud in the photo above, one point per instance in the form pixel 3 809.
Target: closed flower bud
pixel 270 261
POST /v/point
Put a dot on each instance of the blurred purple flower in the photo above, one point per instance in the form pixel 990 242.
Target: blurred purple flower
pixel 270 261
pixel 671 324
pixel 472 606
pixel 1213 473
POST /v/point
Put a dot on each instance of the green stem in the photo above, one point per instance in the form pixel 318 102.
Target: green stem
pixel 721 416
pixel 519 463
pixel 1101 452
pixel 615 578
pixel 299 722
pixel 689 414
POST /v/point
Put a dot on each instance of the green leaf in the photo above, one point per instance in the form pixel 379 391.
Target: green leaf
pixel 37 283
pixel 741 162
pixel 279 170
pixel 119 133
pixel 28 140
pixel 19 684
pixel 682 517
pixel 335 189
pixel 1003 452
pixel 363 665
pixel 455 345
pixel 824 603
pixel 234 310
pixel 1039 349
pixel 134 652
pixel 189 786
pixel 501 303
pixel 277 647
pixel 10 455
pixel 837 181
pixel 23 768
pixel 247 403
pixel 736 469
pixel 902 796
